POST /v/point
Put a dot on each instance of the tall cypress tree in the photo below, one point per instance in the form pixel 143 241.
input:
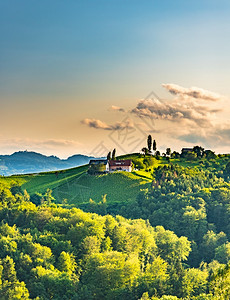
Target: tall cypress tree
pixel 154 145
pixel 114 154
pixel 109 156
pixel 149 142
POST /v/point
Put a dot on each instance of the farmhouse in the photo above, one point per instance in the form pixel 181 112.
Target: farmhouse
pixel 120 165
pixel 101 166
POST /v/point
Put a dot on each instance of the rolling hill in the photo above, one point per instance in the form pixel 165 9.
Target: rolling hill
pixel 24 162
pixel 77 187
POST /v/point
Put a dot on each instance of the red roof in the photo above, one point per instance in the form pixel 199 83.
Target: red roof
pixel 117 163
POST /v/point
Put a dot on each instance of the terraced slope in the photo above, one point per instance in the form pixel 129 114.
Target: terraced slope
pixel 77 186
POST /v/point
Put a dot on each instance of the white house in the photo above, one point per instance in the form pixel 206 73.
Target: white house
pixel 120 165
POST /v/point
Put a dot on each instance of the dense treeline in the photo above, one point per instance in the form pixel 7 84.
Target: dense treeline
pixel 191 202
pixel 49 252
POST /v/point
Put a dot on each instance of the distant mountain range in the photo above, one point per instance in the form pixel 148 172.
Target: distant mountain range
pixel 24 162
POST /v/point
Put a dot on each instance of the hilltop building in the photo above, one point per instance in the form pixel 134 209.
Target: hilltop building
pixel 120 165
pixel 99 166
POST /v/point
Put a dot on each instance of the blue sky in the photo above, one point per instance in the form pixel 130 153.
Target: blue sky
pixel 64 61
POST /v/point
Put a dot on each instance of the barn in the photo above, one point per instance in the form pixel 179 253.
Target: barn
pixel 97 166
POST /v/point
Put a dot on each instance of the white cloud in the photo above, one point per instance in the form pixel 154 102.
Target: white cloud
pixel 193 92
pixel 117 108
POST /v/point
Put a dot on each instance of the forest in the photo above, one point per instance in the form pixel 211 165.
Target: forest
pixel 172 242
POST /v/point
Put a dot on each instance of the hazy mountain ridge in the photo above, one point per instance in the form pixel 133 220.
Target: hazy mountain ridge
pixel 23 162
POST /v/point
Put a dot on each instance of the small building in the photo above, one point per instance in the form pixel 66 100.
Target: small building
pixel 120 165
pixel 97 166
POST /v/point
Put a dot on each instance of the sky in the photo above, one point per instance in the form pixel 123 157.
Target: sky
pixel 89 76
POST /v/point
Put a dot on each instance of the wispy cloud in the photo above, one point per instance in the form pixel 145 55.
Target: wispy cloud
pixel 98 124
pixel 174 111
pixel 27 142
pixel 60 143
pixel 217 136
pixel 223 134
pixel 193 92
pixel 117 108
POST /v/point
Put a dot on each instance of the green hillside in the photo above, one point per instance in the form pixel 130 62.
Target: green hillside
pixel 75 186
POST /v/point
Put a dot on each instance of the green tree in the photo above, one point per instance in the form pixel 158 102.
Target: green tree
pixel 149 161
pixel 195 282
pixel 91 245
pixel 145 151
pixel 10 287
pixel 154 145
pixel 168 151
pixel 220 283
pixel 41 254
pixel 227 170
pixel 139 164
pixel 108 273
pixel 52 284
pixel 190 155
pixel 66 263
pixel 158 154
pixel 175 154
pixel 199 151
pixel 222 253
pixel 211 241
pixel 114 154
pixel 195 220
pixel 48 198
pixel 106 244
pixel 149 142
pixel 155 277
pixel 209 154
pixel 109 156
